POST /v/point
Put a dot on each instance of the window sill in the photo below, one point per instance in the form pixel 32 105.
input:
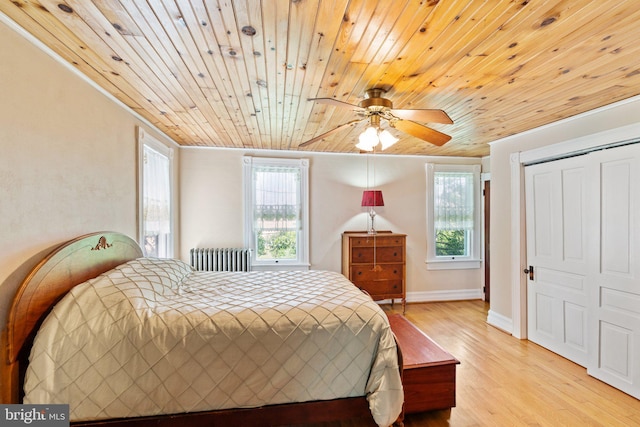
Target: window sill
pixel 279 267
pixel 449 264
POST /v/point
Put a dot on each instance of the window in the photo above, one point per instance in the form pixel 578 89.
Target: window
pixel 156 225
pixel 276 212
pixel 453 216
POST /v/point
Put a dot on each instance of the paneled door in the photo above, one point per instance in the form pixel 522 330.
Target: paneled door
pixel 614 275
pixel 583 251
pixel 557 293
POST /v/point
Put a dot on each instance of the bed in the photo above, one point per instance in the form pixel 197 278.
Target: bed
pixel 203 314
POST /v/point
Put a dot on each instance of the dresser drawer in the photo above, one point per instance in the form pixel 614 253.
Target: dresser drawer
pixel 384 254
pixel 381 289
pixel 380 240
pixel 365 272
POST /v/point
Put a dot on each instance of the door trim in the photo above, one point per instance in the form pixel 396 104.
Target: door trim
pixel 518 249
pixel 486 236
pixel 518 224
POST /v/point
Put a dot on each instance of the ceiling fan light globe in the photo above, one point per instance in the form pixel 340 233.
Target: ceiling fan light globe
pixel 365 146
pixel 371 134
pixel 387 139
pixel 368 139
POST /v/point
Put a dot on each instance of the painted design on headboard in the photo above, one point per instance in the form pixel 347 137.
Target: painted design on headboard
pixel 102 244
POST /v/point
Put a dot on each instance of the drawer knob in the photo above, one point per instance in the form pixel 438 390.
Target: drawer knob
pixel 395 254
pixel 395 271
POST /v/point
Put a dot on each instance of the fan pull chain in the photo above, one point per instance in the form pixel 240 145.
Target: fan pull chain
pixel 376 267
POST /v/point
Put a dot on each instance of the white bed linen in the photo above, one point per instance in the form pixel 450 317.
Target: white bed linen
pixel 155 337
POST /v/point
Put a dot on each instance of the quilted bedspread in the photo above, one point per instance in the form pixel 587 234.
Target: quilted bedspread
pixel 155 337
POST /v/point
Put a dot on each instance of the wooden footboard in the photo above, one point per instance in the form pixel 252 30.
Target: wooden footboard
pixel 274 415
pixel 428 372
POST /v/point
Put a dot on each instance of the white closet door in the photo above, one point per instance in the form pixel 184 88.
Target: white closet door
pixel 614 275
pixel 557 290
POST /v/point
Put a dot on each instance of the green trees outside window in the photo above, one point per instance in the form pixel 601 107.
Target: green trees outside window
pixel 278 245
pixel 451 243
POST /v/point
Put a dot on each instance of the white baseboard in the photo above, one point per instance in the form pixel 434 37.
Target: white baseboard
pixel 499 321
pixel 457 295
pixel 431 296
pixel 494 319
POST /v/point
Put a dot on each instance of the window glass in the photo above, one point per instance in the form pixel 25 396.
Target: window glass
pixel 276 212
pixel 453 216
pixel 156 203
pixel 453 213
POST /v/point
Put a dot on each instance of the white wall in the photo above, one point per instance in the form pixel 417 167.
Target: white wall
pixel 615 122
pixel 211 209
pixel 68 160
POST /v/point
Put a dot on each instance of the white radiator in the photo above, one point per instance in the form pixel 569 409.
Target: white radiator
pixel 221 259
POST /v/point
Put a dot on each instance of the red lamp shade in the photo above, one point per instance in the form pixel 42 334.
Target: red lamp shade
pixel 372 198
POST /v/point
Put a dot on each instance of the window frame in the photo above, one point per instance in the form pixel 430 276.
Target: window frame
pixel 144 139
pixel 473 260
pixel 302 260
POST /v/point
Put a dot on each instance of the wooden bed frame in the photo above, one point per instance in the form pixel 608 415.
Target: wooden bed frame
pixel 89 256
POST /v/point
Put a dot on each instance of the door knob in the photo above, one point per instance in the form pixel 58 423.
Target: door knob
pixel 529 271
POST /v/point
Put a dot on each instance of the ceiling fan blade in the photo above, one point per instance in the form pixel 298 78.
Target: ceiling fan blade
pixel 422 132
pixel 326 134
pixel 428 116
pixel 335 103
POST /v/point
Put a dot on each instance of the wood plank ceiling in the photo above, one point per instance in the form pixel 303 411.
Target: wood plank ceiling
pixel 239 73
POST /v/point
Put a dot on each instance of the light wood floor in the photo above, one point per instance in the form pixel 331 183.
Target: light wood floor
pixel 503 381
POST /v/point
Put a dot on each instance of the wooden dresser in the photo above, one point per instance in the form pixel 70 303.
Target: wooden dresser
pixel 387 278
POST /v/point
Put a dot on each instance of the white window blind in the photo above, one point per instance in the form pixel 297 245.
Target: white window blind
pixel 156 199
pixel 453 194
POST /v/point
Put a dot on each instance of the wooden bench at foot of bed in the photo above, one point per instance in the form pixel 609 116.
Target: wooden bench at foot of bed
pixel 429 372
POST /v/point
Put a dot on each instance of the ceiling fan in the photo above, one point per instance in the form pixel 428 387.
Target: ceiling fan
pixel 375 107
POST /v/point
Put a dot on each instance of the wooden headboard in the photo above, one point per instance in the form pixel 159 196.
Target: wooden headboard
pixel 72 263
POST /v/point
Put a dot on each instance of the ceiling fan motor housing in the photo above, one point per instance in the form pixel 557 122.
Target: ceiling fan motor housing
pixel 374 101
